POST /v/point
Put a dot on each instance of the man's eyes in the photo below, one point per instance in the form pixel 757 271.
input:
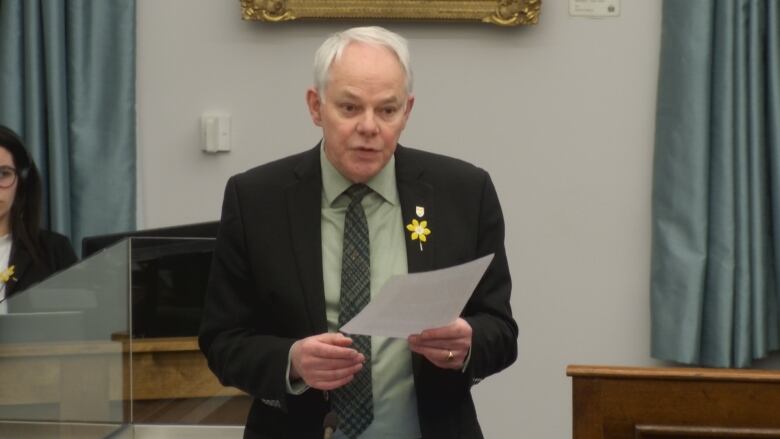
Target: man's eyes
pixel 389 111
pixel 382 112
pixel 349 108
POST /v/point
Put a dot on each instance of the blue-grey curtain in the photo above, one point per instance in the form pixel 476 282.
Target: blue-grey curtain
pixel 67 86
pixel 716 183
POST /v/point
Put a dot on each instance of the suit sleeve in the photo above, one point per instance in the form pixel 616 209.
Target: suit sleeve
pixel 238 347
pixel 494 330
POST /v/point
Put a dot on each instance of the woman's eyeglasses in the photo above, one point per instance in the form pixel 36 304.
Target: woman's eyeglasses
pixel 7 177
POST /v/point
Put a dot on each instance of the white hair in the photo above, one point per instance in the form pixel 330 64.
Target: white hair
pixel 334 46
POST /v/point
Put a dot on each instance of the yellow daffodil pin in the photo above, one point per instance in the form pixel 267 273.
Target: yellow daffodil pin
pixel 420 231
pixel 7 274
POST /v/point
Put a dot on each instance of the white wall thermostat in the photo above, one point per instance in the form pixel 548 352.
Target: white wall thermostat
pixel 215 132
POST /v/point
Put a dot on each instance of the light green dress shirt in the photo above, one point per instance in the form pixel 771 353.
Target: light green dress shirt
pixel 395 401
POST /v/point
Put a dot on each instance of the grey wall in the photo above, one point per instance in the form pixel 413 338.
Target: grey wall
pixel 561 114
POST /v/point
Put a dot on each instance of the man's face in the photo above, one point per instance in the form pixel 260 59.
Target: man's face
pixel 364 110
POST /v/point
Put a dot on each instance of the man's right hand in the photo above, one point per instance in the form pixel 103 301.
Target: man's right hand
pixel 325 361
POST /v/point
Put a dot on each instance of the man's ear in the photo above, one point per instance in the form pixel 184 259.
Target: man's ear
pixel 409 105
pixel 408 109
pixel 315 106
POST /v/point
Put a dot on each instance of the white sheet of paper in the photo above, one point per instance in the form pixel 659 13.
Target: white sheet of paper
pixel 410 303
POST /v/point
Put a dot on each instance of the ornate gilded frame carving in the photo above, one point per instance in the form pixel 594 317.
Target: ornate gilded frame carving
pixel 499 12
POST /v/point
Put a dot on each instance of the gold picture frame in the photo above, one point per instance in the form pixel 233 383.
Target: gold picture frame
pixel 499 12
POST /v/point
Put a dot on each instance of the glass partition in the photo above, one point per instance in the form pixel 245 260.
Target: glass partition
pixel 108 348
pixel 61 354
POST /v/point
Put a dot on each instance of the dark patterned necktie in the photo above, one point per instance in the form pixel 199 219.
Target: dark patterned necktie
pixel 353 403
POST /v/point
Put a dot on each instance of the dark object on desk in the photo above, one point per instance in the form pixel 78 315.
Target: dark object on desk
pixel 168 281
pixel 170 269
pixel 92 244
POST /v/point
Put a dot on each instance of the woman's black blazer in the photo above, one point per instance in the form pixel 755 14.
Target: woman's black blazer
pixel 58 254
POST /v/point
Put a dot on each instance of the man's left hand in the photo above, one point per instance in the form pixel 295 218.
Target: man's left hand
pixel 446 347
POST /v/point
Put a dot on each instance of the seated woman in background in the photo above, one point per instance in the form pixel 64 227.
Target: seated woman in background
pixel 28 254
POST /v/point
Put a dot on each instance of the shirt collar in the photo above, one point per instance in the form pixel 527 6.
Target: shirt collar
pixel 334 184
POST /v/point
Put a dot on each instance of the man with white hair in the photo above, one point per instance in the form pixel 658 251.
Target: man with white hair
pixel 306 241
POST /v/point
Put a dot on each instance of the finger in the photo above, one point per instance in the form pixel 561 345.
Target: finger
pixel 429 351
pixel 449 344
pixel 335 338
pixel 329 380
pixel 439 359
pixel 458 328
pixel 332 352
pixel 443 355
pixel 314 364
pixel 306 362
pixel 423 338
pixel 446 332
pixel 462 344
pixel 420 340
pixel 335 374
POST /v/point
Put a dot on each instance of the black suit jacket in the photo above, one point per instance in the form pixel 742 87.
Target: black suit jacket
pixel 266 288
pixel 57 255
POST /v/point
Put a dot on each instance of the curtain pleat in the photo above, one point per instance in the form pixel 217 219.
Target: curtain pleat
pixel 67 85
pixel 714 299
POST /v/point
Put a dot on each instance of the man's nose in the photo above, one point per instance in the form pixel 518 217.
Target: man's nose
pixel 368 126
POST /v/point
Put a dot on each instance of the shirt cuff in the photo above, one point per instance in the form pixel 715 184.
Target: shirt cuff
pixel 295 387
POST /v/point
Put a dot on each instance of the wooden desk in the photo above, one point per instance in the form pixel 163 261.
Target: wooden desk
pixel 173 384
pixel 64 381
pixel 666 403
pixel 172 368
pixel 91 382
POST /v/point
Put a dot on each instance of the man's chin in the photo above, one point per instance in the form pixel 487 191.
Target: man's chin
pixel 362 174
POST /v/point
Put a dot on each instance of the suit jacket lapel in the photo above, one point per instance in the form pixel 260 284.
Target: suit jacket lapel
pixel 303 210
pixel 416 193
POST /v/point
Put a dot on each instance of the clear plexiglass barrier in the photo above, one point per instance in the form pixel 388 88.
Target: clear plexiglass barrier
pixel 108 348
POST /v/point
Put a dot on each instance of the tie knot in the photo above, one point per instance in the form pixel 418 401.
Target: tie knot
pixel 357 191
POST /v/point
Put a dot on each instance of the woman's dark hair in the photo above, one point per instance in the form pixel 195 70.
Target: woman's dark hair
pixel 26 209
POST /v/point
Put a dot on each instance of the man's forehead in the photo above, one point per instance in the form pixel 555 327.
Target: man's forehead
pixel 346 92
pixel 361 46
pixel 355 54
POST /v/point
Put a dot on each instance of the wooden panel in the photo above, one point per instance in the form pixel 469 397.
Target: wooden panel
pixel 11 429
pixel 206 411
pixel 612 402
pixel 173 368
pixel 674 373
pixel 86 381
pixel 25 381
pixel 677 432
